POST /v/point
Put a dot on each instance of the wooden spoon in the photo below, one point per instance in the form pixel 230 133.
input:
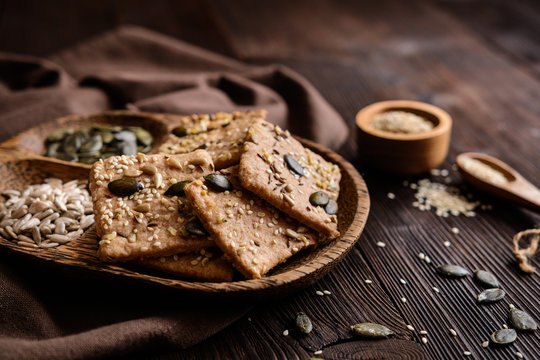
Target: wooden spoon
pixel 517 189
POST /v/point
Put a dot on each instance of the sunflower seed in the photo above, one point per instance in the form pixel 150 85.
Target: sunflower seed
pixel 452 270
pixel 520 320
pixel 503 336
pixel 371 330
pixel 486 279
pixel 149 169
pixel 303 323
pixel 491 295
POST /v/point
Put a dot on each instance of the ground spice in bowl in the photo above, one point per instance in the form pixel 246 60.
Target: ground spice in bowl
pixel 401 122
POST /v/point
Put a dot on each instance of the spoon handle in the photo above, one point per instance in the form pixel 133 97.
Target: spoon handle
pixel 527 194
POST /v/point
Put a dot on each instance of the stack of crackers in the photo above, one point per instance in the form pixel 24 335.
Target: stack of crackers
pixel 226 192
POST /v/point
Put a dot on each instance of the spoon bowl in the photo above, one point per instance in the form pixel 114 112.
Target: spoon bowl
pixel 515 188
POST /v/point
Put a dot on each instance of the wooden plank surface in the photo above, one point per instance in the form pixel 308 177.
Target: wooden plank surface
pixel 478 61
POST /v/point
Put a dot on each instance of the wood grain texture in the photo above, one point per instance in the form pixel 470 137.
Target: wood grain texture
pixel 298 272
pixel 476 59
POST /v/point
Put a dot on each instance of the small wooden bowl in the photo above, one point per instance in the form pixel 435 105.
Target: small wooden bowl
pixel 403 153
pixel 32 141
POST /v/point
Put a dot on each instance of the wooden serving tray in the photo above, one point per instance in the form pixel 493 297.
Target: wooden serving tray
pixel 22 163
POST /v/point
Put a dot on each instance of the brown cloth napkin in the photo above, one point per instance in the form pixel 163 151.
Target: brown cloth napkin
pixel 51 314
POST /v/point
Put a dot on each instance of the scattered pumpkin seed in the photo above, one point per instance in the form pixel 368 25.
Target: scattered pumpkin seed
pixel 125 186
pixel 486 278
pixel 371 330
pixel 294 165
pixel 520 320
pixel 332 207
pixel 177 189
pixel 194 227
pixel 503 336
pixel 218 182
pixel 303 323
pixel 452 270
pixel 319 198
pixel 491 295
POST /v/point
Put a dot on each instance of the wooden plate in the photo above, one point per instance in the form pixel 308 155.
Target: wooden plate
pixel 20 169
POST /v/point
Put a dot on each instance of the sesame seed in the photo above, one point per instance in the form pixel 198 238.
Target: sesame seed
pixel 391 195
pixel 467 353
pixel 367 281
pixel 447 243
pixel 403 300
pixel 453 332
pixel 410 327
pixel 422 256
pixel 422 332
pixel 285 332
pixel 318 352
pixel 427 259
pixel 403 281
pixel 455 230
pixel 320 293
pixel 519 355
pixel 381 244
pixel 424 340
pixel 436 290
pixel 326 292
pixel 485 344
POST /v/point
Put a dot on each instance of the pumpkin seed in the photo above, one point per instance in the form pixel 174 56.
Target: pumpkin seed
pixel 452 270
pixel 520 320
pixel 93 144
pixel 180 131
pixel 125 186
pixel 486 278
pixel 303 323
pixel 332 207
pixel 491 295
pixel 177 189
pixel 58 135
pixel 194 227
pixel 319 198
pixel 144 137
pixel 294 165
pixel 371 330
pixel 503 336
pixel 218 182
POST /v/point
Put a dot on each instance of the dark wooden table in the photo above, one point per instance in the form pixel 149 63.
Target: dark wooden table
pixel 479 60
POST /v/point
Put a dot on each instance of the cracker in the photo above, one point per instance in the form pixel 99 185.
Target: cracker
pixel 263 171
pixel 224 144
pixel 206 265
pixel 253 235
pixel 126 228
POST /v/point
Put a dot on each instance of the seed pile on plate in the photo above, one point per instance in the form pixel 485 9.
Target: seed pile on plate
pixel 46 215
pixel 91 143
pixel 173 212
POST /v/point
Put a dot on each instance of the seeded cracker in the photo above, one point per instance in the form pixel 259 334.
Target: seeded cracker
pixel 254 236
pixel 206 265
pixel 146 223
pixel 224 144
pixel 264 171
